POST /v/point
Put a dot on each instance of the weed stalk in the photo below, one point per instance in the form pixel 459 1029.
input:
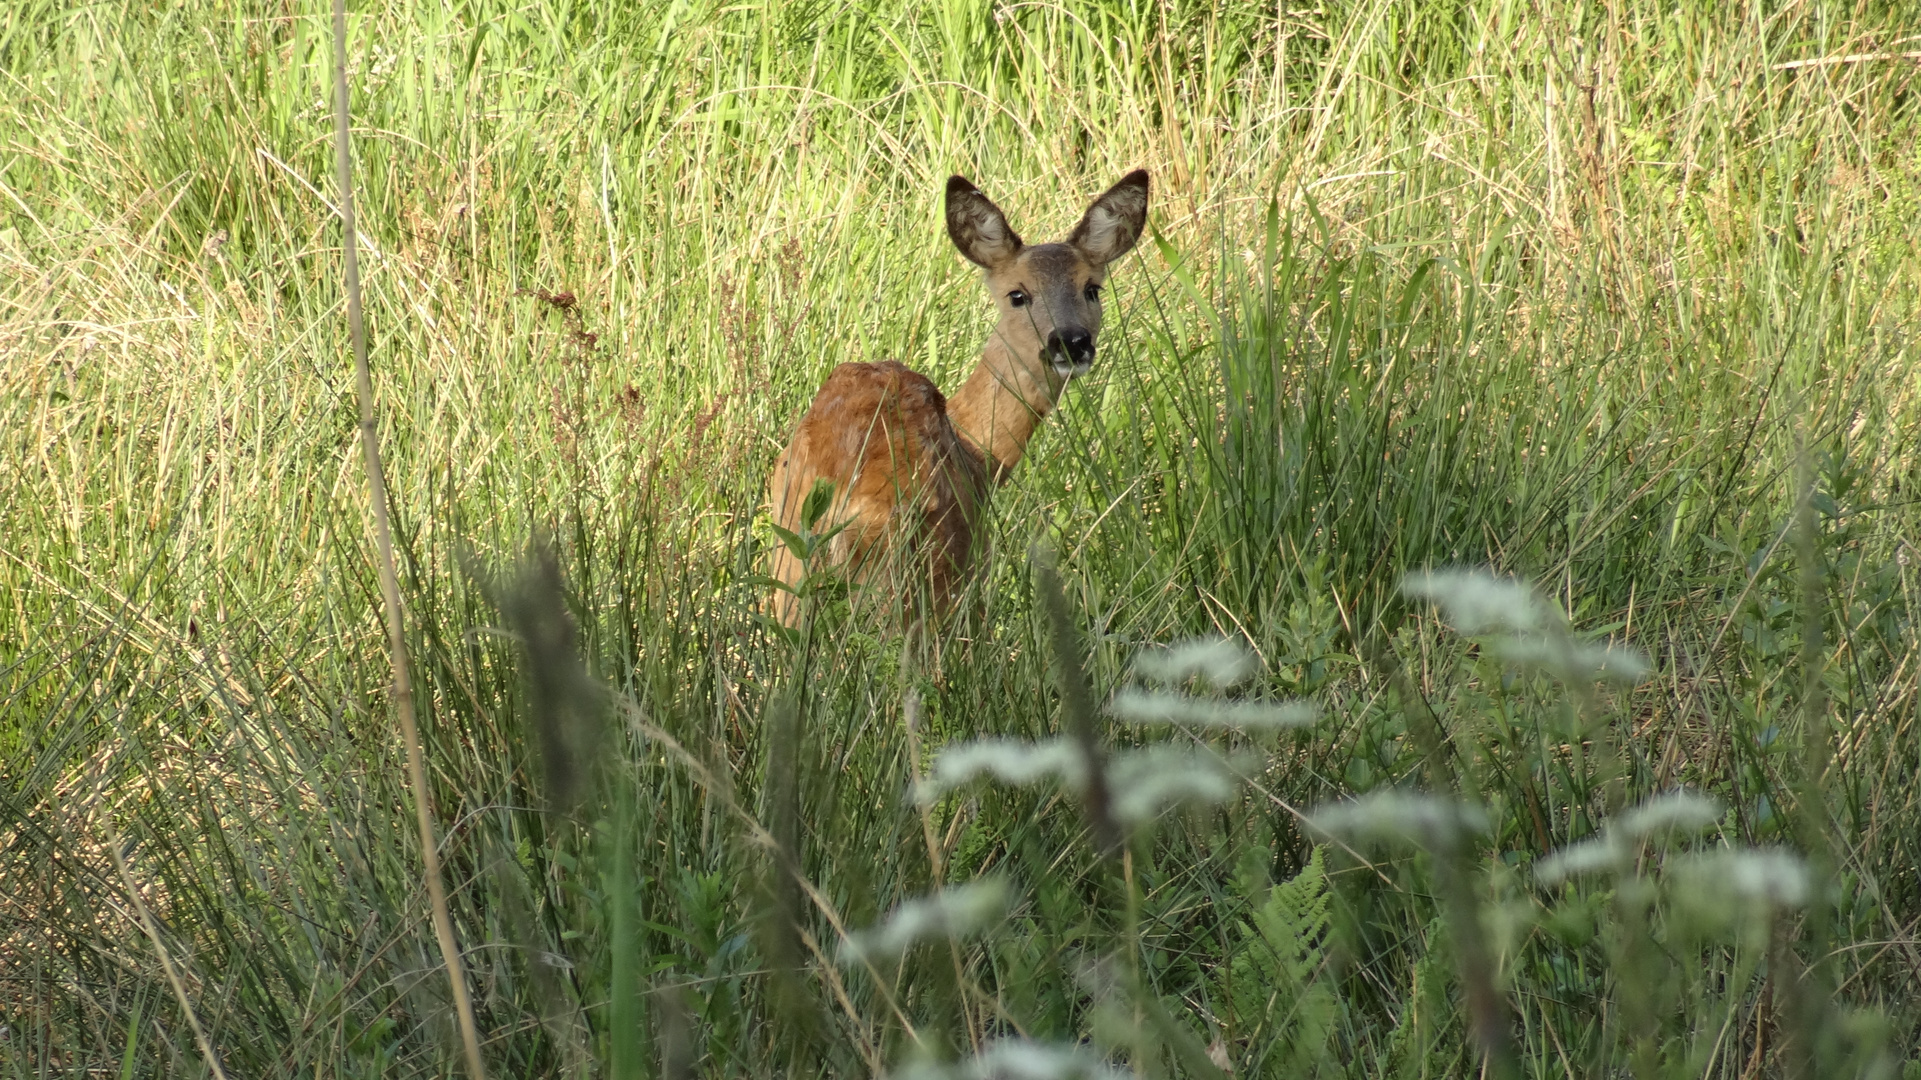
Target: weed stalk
pixel 1077 702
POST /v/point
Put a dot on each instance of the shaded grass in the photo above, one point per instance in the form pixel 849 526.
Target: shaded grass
pixel 1557 291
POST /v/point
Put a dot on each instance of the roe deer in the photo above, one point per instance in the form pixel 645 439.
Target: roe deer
pixel 909 471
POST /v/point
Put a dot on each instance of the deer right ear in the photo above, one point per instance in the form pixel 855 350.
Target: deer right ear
pixel 1114 222
pixel 977 226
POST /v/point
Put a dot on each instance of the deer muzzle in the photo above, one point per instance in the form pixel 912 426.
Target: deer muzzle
pixel 1070 351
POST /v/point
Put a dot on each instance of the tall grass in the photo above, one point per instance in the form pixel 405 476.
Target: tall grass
pixel 1596 297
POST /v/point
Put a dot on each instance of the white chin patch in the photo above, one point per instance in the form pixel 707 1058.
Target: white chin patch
pixel 1068 369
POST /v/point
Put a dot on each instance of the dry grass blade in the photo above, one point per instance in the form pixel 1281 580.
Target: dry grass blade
pixel 1850 58
pixel 389 575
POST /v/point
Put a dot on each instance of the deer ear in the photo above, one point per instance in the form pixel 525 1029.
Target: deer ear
pixel 1111 226
pixel 977 226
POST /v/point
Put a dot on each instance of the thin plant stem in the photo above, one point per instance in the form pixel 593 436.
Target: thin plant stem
pixel 937 871
pixel 1806 986
pixel 389 575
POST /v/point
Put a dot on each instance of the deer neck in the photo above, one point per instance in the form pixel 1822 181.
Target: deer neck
pixel 1000 405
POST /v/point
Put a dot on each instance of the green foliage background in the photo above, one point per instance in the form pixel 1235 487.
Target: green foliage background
pixel 1568 290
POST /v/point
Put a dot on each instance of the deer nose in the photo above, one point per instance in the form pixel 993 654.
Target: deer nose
pixel 1073 344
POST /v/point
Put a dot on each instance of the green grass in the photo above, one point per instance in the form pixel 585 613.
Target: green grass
pixel 1570 292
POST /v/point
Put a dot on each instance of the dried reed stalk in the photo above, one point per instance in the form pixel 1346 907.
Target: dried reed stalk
pixel 389 577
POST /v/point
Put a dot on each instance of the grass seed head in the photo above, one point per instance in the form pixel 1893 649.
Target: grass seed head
pixel 564 701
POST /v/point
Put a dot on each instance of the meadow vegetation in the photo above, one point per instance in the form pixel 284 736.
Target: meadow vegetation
pixel 1617 302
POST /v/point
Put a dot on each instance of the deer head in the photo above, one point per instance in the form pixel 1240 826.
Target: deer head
pixel 1049 295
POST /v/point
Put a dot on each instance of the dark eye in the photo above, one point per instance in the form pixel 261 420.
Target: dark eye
pixel 1017 298
pixel 1093 292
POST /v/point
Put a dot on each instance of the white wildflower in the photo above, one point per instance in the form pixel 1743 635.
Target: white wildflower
pixel 1220 661
pixel 1019 1059
pixel 1674 811
pixel 948 913
pixel 1589 856
pixel 1421 820
pixel 1769 877
pixel 1159 707
pixel 1615 663
pixel 1011 761
pixel 1574 660
pixel 1477 602
pixel 1144 782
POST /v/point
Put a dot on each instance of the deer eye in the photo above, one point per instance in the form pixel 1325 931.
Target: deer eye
pixel 1093 292
pixel 1017 298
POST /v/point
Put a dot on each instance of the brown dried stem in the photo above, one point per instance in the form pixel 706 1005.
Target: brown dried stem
pixel 389 576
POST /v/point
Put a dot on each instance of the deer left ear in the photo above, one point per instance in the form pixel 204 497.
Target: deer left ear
pixel 1111 226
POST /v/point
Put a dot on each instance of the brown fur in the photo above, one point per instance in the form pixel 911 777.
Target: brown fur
pixel 911 470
